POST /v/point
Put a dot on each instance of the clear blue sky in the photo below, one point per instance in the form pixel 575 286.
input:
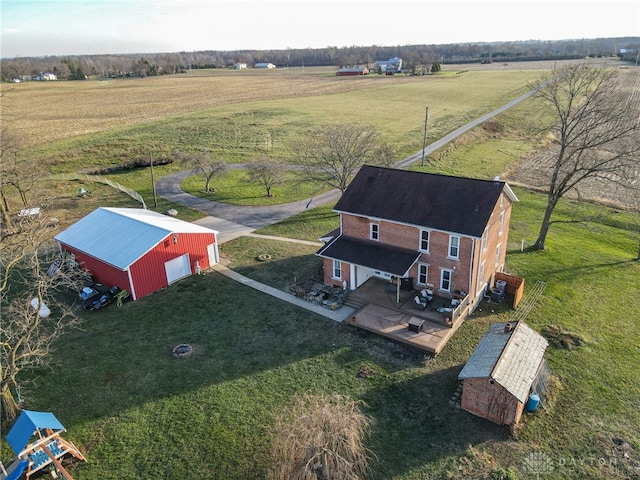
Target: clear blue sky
pixel 81 27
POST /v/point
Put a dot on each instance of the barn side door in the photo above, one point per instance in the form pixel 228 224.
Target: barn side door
pixel 177 268
pixel 212 251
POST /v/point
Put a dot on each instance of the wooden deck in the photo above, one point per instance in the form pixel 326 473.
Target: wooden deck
pixel 381 313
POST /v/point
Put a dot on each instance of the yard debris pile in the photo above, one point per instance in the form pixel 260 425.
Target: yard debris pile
pixel 326 295
pixel 561 338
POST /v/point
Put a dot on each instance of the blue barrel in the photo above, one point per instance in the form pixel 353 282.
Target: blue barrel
pixel 533 402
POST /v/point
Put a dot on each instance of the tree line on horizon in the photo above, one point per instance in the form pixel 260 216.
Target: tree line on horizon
pixel 416 58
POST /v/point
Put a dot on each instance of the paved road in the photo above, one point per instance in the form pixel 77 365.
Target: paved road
pixel 233 221
pixel 438 144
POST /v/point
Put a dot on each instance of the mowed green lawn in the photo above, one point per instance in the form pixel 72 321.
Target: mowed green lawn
pixel 136 412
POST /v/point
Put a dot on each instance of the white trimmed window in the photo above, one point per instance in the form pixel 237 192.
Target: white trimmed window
pixel 501 224
pixel 445 279
pixel 424 241
pixel 374 231
pixel 423 273
pixel 481 275
pixel 454 246
pixel 485 239
pixel 498 255
pixel 337 269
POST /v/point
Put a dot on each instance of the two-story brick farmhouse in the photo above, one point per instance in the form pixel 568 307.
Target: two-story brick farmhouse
pixel 421 228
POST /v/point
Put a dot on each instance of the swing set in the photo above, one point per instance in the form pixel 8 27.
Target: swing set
pixel 35 439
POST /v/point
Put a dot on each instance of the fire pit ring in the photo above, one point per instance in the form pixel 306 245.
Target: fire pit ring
pixel 184 350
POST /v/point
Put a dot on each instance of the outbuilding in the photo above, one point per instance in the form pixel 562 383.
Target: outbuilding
pixel 505 371
pixel 139 250
pixel 347 72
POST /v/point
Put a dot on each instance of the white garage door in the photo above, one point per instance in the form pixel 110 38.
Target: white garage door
pixel 178 268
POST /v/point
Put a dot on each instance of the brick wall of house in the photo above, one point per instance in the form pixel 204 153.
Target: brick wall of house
pixel 407 236
pixel 491 401
pixel 328 273
pixel 493 262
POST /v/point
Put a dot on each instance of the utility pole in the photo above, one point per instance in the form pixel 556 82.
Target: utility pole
pixel 153 182
pixel 424 141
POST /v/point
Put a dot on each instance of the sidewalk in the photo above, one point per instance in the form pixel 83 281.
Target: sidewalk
pixel 336 315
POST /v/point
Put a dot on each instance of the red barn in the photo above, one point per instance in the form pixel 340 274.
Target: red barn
pixel 139 250
pixel 347 72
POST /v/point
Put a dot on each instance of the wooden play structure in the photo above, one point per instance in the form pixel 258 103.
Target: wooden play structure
pixel 36 440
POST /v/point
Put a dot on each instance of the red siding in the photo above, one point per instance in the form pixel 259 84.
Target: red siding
pixel 147 273
pixel 101 272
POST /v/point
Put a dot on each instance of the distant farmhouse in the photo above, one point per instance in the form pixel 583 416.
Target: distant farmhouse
pixel 45 77
pixel 264 65
pixel 391 66
pixel 239 66
pixel 346 72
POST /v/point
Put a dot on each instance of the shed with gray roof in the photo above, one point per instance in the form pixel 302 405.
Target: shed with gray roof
pixel 499 376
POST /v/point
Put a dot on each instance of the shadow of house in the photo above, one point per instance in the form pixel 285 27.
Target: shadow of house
pixel 415 424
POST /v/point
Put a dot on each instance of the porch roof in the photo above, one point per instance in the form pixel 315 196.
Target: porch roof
pixel 369 254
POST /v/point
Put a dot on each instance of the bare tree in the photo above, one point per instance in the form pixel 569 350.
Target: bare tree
pixel 321 438
pixel 595 125
pixel 266 172
pixel 33 316
pixel 205 164
pixel 335 154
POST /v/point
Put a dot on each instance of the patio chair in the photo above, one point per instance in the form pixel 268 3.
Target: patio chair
pixel 420 303
pixel 427 294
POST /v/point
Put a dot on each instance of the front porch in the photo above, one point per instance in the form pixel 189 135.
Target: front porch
pixel 394 315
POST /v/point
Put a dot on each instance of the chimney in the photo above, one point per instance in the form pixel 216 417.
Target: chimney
pixel 508 327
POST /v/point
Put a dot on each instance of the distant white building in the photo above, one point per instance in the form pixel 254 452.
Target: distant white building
pixel 45 76
pixel 239 66
pixel 264 65
pixel 393 65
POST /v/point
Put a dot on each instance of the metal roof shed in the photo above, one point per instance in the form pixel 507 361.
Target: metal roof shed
pixel 139 250
pixel 498 377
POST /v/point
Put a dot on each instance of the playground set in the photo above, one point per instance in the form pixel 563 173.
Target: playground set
pixel 35 439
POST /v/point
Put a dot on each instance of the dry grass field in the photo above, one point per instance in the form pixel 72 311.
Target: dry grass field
pixel 534 171
pixel 43 112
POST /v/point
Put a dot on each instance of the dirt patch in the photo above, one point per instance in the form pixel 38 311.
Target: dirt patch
pixel 561 338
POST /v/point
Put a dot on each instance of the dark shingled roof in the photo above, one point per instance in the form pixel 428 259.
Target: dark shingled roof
pixel 451 204
pixel 366 253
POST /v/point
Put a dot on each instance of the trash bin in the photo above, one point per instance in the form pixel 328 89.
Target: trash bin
pixel 533 402
pixel 406 284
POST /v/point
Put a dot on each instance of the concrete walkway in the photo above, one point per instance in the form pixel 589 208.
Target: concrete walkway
pixel 339 315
